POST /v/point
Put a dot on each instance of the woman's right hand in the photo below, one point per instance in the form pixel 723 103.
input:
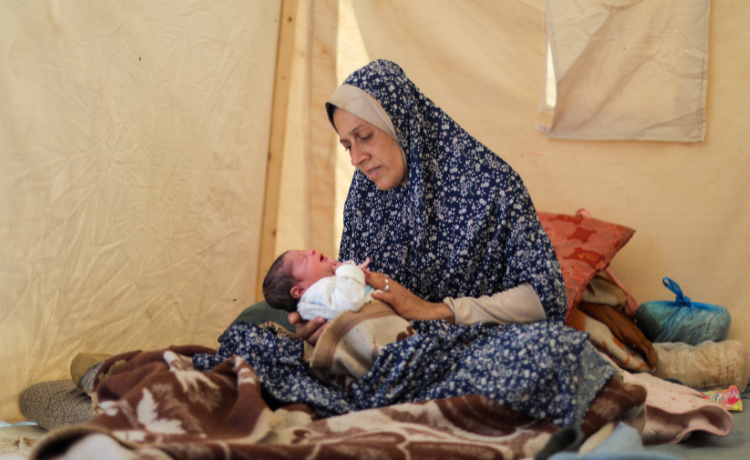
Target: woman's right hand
pixel 307 330
pixel 404 302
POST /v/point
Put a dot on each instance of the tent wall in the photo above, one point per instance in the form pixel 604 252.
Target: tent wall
pixel 133 146
pixel 483 62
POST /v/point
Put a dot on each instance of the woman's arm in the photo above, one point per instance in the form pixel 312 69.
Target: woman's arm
pixel 531 259
pixel 404 302
pixel 518 305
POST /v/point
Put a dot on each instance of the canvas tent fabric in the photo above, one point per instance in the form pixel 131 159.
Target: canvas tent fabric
pixel 133 144
pixel 628 69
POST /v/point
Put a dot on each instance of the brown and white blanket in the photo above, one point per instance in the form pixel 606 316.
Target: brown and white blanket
pixel 608 339
pixel 155 404
pixel 351 342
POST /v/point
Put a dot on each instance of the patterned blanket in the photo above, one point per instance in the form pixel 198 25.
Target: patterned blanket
pixel 159 404
pixel 604 339
pixel 351 343
pixel 544 370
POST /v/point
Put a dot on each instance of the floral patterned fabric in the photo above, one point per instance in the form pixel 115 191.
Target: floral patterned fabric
pixel 463 225
pixel 544 370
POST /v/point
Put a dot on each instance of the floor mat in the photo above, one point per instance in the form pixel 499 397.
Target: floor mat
pixel 17 439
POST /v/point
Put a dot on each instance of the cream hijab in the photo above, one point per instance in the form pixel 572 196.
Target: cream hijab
pixel 357 102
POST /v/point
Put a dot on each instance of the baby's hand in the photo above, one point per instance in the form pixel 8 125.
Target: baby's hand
pixel 364 264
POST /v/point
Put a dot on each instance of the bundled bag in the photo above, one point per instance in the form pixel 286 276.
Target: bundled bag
pixel 682 320
pixel 709 366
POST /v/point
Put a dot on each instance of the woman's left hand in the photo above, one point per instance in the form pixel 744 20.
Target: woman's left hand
pixel 404 302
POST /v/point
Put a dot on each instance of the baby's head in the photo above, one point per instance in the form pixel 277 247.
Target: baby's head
pixel 291 274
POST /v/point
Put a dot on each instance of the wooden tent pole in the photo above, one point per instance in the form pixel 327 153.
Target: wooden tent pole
pixel 282 83
pixel 321 158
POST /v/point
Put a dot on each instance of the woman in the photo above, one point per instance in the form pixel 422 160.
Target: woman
pixel 454 228
pixel 437 212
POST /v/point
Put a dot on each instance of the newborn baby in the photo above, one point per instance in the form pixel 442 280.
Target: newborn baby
pixel 313 285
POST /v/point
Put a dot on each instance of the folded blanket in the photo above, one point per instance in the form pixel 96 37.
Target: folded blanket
pixel 155 404
pixel 675 411
pixel 351 342
pixel 603 339
pixel 623 328
pixel 601 290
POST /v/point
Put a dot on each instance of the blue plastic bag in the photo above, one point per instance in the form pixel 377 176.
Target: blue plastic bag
pixel 682 320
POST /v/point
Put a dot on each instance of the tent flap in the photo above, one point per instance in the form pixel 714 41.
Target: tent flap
pixel 629 69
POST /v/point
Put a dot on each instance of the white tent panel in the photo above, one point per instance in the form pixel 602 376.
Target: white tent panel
pixel 629 70
pixel 133 145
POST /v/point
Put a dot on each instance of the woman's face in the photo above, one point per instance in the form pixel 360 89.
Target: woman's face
pixel 372 151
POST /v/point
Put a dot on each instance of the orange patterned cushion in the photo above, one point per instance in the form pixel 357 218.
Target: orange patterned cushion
pixel 584 246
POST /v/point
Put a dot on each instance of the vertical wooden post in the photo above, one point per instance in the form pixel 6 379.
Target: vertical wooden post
pixel 323 139
pixel 282 82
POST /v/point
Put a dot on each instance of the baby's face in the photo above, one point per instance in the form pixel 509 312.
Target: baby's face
pixel 309 266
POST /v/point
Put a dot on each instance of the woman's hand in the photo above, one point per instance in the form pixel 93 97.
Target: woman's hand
pixel 404 302
pixel 307 330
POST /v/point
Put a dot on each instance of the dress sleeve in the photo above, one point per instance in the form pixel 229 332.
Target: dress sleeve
pixel 531 259
pixel 349 294
pixel 518 305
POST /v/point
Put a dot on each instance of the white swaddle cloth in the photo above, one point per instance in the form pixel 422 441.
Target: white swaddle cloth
pixel 329 296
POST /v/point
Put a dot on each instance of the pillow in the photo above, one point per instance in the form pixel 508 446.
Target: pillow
pixel 584 246
pixel 258 314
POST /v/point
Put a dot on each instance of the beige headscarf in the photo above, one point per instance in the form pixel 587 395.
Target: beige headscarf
pixel 359 103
